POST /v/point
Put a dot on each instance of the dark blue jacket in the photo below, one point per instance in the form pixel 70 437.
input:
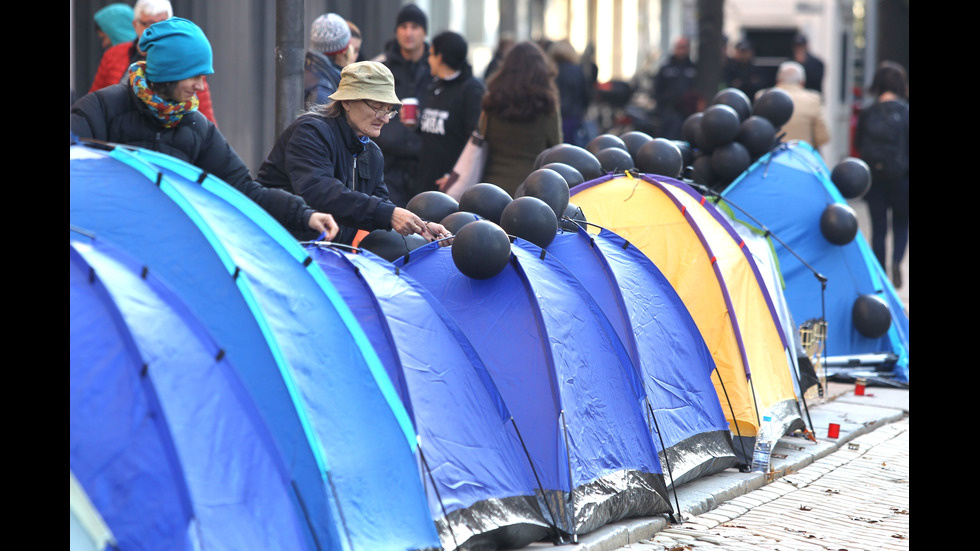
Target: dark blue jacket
pixel 322 160
pixel 321 76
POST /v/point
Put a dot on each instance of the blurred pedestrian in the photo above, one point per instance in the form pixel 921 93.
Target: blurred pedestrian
pixel 407 57
pixel 521 107
pixel 330 40
pixel 673 87
pixel 572 90
pixel 812 64
pixel 450 111
pixel 116 61
pixel 882 140
pixel 807 122
pixel 741 71
pixel 114 24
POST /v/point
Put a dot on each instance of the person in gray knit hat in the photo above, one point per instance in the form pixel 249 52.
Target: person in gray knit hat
pixel 329 43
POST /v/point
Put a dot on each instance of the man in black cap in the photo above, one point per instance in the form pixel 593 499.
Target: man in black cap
pixel 812 64
pixel 407 56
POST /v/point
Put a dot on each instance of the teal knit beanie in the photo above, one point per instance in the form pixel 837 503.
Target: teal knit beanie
pixel 116 21
pixel 175 49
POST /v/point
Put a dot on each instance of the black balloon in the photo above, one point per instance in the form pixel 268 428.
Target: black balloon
pixel 572 177
pixel 660 156
pixel 838 224
pixel 703 173
pixel 719 125
pixel 487 200
pixel 603 141
pixel 852 177
pixel 458 219
pixel 870 316
pixel 481 250
pixel 687 152
pixel 530 219
pixel 391 245
pixel 774 105
pixel 576 157
pixel 758 135
pixel 737 100
pixel 614 159
pixel 539 160
pixel 548 186
pixel 432 205
pixel 730 160
pixel 573 217
pixel 634 141
pixel 691 129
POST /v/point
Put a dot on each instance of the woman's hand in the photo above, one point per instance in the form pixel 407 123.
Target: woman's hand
pixel 434 231
pixel 322 222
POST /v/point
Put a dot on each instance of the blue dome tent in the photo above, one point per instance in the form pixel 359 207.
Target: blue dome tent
pixel 787 191
pixel 163 438
pixel 482 488
pixel 315 379
pixel 665 345
pixel 565 376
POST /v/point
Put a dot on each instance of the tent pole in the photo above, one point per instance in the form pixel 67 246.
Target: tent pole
pixel 306 515
pixel 340 511
pixel 667 461
pixel 571 485
pixel 731 409
pixel 544 496
pixel 428 471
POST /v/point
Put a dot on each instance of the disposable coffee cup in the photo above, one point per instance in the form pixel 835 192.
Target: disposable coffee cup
pixel 410 111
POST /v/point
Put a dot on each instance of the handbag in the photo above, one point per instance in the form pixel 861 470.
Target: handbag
pixel 469 167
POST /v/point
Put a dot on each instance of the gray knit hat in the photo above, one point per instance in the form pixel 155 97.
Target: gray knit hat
pixel 329 34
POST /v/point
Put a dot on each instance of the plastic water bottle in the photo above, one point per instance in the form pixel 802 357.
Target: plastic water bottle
pixel 763 447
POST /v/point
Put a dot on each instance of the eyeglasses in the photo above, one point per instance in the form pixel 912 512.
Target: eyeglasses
pixel 383 114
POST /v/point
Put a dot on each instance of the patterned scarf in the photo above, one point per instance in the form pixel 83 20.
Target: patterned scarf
pixel 167 112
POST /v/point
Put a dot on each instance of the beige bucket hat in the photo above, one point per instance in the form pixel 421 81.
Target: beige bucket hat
pixel 368 80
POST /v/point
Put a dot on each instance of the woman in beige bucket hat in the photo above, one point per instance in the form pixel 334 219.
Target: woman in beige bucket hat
pixel 327 156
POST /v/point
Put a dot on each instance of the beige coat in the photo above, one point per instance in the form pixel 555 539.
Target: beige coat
pixel 807 122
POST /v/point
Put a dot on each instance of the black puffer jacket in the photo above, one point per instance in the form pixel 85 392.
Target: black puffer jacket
pixel 116 115
pixel 317 157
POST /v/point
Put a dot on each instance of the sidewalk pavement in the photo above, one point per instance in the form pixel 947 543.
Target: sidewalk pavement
pixel 850 492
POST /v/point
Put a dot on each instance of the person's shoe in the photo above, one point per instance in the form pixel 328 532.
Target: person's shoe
pixel 897 276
